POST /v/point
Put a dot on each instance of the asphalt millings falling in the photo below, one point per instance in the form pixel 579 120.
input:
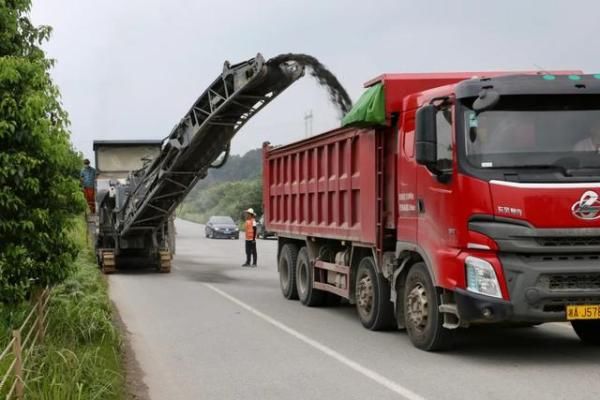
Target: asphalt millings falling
pixel 325 77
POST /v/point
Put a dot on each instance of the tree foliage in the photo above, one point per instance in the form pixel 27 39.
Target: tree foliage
pixel 229 190
pixel 39 189
pixel 227 198
pixel 237 168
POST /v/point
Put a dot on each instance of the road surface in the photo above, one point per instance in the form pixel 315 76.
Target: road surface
pixel 214 330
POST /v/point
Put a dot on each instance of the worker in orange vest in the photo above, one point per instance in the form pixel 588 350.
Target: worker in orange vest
pixel 250 237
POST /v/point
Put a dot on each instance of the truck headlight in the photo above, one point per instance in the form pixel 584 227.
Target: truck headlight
pixel 481 277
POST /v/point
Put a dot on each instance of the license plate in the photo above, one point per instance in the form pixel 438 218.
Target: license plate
pixel 583 312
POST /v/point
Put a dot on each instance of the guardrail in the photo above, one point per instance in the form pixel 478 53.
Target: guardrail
pixel 24 339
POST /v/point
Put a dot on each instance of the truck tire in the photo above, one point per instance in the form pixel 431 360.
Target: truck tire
pixel 588 331
pixel 375 310
pixel 287 271
pixel 309 296
pixel 423 320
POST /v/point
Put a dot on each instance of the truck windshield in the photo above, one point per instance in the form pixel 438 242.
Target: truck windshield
pixel 535 133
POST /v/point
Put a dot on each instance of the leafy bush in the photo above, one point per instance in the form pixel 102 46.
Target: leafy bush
pixel 39 189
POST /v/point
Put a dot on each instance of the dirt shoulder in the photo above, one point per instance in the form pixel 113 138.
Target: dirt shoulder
pixel 135 387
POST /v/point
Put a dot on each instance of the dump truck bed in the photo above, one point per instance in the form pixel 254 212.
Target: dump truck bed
pixel 326 186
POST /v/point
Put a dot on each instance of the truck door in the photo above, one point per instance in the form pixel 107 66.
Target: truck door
pixel 437 199
pixel 407 194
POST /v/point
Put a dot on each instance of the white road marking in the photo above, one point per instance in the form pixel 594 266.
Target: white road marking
pixel 393 386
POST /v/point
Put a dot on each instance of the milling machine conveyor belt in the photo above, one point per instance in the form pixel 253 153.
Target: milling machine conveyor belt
pixel 203 134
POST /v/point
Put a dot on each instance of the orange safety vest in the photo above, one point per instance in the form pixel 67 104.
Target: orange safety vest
pixel 250 224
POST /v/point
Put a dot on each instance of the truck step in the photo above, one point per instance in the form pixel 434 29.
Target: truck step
pixel 451 317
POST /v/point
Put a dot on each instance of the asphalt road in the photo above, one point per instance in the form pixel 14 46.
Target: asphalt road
pixel 214 330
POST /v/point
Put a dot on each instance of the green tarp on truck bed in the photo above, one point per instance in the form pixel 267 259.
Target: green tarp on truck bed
pixel 369 109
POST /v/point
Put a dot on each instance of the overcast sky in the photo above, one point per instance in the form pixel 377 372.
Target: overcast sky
pixel 130 69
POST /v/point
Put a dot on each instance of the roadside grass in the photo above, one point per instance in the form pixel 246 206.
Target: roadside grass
pixel 80 357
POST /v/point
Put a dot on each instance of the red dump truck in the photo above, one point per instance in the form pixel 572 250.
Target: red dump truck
pixel 448 200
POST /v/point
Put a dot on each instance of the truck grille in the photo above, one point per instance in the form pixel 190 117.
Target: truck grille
pixel 560 305
pixel 569 281
pixel 559 257
pixel 569 241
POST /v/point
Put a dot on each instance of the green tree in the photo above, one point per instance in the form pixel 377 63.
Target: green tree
pixel 39 189
pixel 228 198
pixel 237 168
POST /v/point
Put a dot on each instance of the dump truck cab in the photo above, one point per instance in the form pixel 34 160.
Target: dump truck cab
pixel 498 183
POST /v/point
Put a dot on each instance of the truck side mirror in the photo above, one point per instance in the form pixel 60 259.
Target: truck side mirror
pixel 426 135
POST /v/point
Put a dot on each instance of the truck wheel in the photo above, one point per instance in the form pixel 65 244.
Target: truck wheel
pixel 308 295
pixel 375 310
pixel 421 312
pixel 588 331
pixel 287 271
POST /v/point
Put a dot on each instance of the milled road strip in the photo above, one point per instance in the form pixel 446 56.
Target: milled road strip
pixel 383 381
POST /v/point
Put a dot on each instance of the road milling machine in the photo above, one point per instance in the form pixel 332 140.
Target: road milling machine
pixel 140 184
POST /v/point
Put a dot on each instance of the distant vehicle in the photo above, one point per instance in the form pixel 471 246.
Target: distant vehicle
pixel 261 230
pixel 221 227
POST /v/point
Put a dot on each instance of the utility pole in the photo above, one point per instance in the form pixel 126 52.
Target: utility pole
pixel 308 120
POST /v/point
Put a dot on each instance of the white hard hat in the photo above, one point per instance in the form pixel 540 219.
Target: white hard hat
pixel 250 211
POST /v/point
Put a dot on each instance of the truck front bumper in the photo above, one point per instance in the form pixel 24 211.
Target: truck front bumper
pixel 474 308
pixel 545 271
pixel 540 289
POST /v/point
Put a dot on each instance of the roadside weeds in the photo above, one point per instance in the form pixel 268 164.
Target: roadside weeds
pixel 85 353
